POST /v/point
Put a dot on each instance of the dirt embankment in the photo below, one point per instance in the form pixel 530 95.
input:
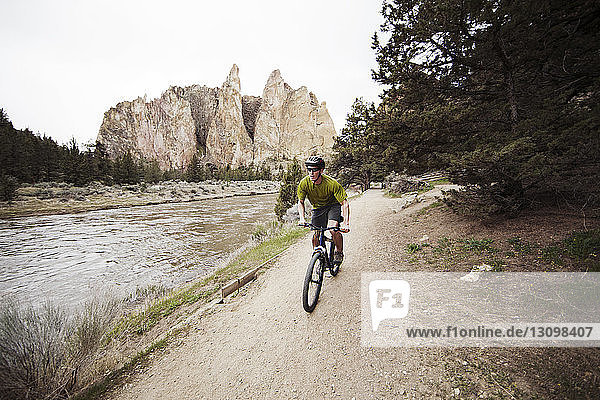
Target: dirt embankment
pixel 261 344
pixel 60 198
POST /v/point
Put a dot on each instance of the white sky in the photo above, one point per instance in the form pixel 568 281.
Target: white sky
pixel 65 62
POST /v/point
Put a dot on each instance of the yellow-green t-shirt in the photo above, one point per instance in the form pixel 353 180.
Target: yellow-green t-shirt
pixel 328 192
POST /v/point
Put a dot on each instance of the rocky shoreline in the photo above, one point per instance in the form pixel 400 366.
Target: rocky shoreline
pixel 62 198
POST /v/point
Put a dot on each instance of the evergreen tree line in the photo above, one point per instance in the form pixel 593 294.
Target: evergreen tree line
pixel 199 171
pixel 503 95
pixel 29 158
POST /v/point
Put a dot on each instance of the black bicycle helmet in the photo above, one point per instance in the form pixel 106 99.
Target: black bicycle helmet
pixel 315 162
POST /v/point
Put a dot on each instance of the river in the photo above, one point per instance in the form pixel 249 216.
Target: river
pixel 70 259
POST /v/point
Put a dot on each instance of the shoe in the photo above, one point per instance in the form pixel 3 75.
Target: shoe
pixel 338 257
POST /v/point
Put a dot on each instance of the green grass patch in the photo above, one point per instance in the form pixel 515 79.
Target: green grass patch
pixel 477 245
pixel 444 244
pixel 497 264
pixel 552 255
pixel 449 253
pixel 425 189
pixel 432 184
pixel 583 245
pixel 413 248
pixel 520 246
pixel 143 320
pixel 580 249
pixel 584 248
pixel 254 256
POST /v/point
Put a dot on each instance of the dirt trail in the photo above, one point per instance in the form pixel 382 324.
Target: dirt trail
pixel 263 345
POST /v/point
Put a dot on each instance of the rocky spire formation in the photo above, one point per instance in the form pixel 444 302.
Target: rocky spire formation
pixel 220 125
pixel 227 140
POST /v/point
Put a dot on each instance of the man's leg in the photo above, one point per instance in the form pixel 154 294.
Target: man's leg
pixel 319 218
pixel 338 239
pixel 334 219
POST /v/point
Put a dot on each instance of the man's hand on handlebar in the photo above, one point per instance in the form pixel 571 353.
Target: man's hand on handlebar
pixel 344 228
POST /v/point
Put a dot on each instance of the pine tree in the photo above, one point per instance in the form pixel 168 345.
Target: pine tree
pixel 126 170
pixel 288 191
pixel 357 151
pixel 8 187
pixel 503 94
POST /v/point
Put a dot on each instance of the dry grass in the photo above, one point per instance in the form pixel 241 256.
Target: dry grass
pixel 42 350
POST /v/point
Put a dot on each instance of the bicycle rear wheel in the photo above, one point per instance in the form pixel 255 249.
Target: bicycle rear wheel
pixel 313 282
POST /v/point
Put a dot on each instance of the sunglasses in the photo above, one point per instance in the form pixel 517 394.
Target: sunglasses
pixel 313 169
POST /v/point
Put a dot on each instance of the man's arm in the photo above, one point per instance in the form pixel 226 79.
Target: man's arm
pixel 345 226
pixel 301 212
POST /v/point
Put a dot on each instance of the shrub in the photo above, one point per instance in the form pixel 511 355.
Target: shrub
pixel 42 350
pixel 33 352
pixel 8 187
pixel 264 231
pixel 583 245
pixel 477 245
pixel 288 190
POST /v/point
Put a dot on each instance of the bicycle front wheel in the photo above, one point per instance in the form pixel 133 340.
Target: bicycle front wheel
pixel 335 267
pixel 313 282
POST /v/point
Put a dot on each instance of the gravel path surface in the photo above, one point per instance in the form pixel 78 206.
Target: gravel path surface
pixel 264 345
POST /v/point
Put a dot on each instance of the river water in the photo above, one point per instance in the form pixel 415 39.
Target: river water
pixel 70 259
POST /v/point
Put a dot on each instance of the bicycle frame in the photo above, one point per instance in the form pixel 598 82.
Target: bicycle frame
pixel 321 260
pixel 322 246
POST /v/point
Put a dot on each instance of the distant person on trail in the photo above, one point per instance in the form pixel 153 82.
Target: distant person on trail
pixel 329 202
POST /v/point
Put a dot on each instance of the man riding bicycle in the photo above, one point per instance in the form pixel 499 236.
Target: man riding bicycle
pixel 329 201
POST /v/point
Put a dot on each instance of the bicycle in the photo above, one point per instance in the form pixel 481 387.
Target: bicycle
pixel 321 260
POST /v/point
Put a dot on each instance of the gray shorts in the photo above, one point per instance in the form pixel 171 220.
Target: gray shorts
pixel 321 215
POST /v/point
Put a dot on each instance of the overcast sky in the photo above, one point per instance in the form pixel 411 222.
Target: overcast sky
pixel 65 62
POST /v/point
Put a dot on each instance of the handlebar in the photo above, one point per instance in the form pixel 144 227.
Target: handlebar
pixel 318 228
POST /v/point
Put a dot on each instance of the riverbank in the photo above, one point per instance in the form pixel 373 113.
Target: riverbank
pixel 63 198
pixel 102 342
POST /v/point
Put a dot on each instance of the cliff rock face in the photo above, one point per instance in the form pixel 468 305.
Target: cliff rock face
pixel 227 141
pixel 291 123
pixel 220 125
pixel 250 107
pixel 204 103
pixel 161 130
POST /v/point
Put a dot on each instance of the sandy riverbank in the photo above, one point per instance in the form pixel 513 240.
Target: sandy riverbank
pixel 62 198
